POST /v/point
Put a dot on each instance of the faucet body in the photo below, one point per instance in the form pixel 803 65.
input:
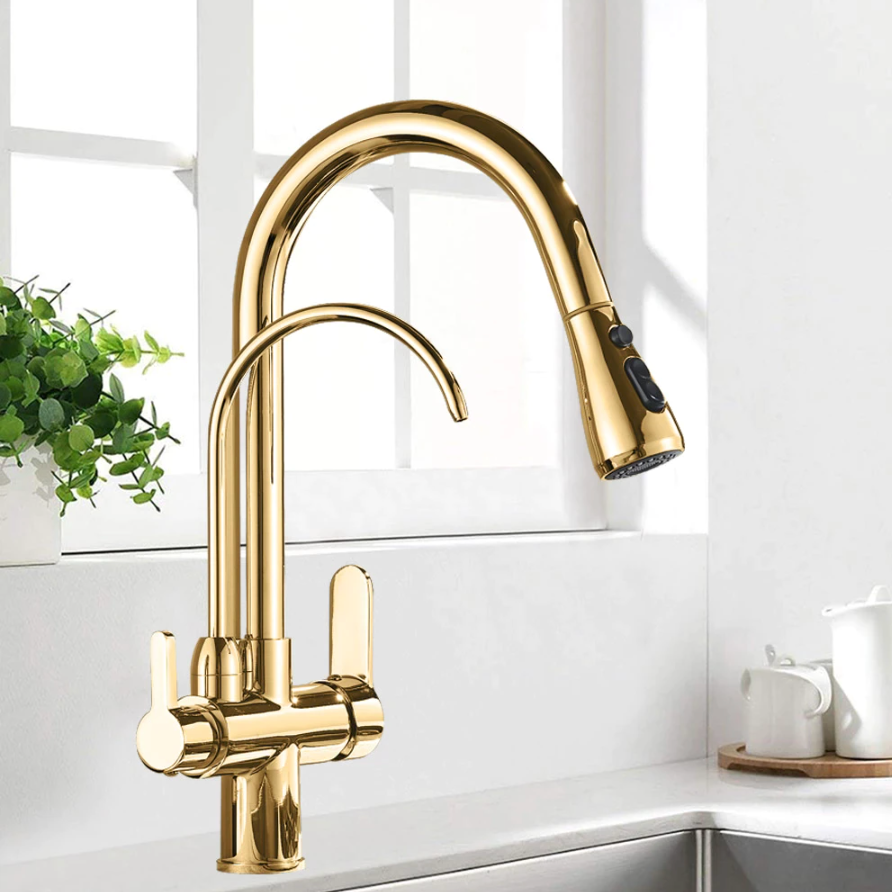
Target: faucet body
pixel 256 737
pixel 244 720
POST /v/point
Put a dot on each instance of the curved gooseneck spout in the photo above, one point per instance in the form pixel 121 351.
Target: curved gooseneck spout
pixel 222 417
pixel 628 426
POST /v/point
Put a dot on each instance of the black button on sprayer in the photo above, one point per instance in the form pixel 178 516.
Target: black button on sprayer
pixel 621 335
pixel 645 386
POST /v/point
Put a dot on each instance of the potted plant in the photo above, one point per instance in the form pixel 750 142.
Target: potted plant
pixel 66 426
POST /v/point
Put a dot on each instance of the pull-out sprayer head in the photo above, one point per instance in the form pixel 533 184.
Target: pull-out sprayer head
pixel 628 425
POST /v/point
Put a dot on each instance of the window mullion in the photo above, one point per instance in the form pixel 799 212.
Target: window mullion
pixel 96 147
pixel 5 165
pixel 224 174
pixel 402 308
pixel 584 163
pixel 402 245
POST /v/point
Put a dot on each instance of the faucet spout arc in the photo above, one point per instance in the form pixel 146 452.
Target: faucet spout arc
pixel 223 601
pixel 628 426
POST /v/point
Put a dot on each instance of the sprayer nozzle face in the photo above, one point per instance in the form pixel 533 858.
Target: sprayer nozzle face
pixel 643 464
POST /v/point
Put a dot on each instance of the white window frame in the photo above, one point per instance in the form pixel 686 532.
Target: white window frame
pixel 338 505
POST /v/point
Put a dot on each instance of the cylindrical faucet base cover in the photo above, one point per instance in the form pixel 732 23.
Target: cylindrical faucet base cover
pixel 260 818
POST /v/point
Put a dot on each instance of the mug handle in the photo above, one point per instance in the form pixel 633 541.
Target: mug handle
pixel 825 692
pixel 879 594
pixel 746 681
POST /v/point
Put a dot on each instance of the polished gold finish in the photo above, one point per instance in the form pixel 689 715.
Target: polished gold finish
pixel 245 721
pixel 223 590
pixel 619 434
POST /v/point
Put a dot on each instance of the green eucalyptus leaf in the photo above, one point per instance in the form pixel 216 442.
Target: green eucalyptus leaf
pixel 5 396
pixel 132 353
pixel 141 442
pixel 16 387
pixel 130 411
pixel 64 368
pixel 37 367
pixel 74 370
pixel 64 493
pixel 122 436
pixel 85 491
pixel 142 497
pixel 80 437
pixel 9 299
pixel 52 415
pixel 150 475
pixel 100 365
pixel 2 325
pixel 11 347
pixel 30 387
pixel 103 422
pixel 28 414
pixel 127 466
pixel 42 309
pixel 109 341
pixel 86 349
pixel 12 368
pixel 11 428
pixel 64 456
pixel 151 342
pixel 86 394
pixel 18 324
pixel 82 329
pixel 83 476
pixel 116 388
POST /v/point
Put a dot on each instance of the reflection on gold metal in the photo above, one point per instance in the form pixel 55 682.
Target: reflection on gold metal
pixel 245 721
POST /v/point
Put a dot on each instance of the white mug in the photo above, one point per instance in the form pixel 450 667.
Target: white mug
pixel 785 705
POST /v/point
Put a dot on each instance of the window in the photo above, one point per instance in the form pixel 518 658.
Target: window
pixel 137 138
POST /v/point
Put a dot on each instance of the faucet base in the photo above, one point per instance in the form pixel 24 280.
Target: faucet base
pixel 260 818
pixel 267 867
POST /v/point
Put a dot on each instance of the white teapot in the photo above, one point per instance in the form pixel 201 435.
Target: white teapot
pixel 785 702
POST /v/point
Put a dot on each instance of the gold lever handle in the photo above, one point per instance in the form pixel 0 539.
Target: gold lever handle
pixel 350 646
pixel 159 737
pixel 163 667
pixel 174 735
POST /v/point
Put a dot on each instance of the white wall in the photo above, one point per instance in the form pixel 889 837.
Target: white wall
pixel 499 661
pixel 800 325
pixel 654 250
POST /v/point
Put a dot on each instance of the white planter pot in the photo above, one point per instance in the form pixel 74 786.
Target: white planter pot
pixel 30 526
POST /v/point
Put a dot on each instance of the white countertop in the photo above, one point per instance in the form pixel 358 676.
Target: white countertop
pixel 439 835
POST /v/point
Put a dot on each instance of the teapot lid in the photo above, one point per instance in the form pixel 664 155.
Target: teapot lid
pixel 879 596
pixel 787 665
pixel 777 662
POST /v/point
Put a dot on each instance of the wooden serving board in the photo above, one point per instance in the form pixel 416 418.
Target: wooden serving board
pixel 734 757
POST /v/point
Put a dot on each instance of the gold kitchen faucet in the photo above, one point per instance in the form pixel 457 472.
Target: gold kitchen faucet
pixel 244 720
